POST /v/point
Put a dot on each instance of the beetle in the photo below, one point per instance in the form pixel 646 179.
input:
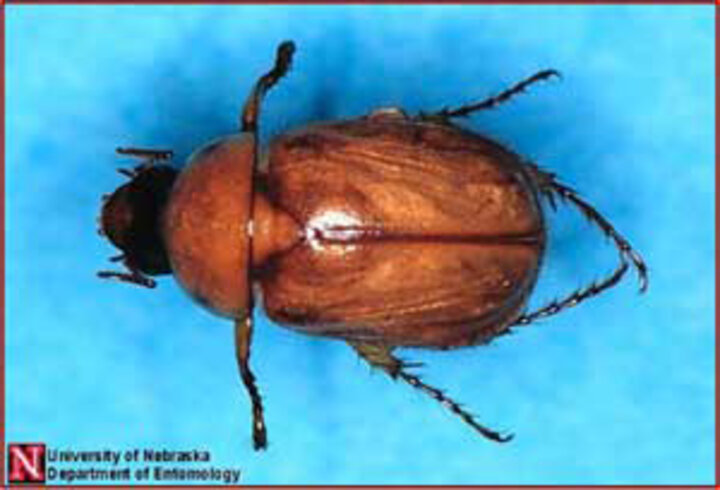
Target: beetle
pixel 384 231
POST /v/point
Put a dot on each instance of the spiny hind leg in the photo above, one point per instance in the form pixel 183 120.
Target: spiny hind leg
pixel 552 190
pixel 380 356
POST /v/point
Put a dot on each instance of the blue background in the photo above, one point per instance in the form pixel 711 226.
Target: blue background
pixel 618 390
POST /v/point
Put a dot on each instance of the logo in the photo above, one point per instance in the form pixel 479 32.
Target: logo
pixel 26 463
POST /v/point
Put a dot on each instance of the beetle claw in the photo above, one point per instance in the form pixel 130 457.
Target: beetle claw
pixel 505 438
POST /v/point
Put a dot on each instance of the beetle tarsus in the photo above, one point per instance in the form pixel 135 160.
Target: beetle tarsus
pixel 624 248
pixel 380 356
pixel 551 188
pixel 556 306
pixel 494 101
pixel 453 406
pixel 243 339
pixel 251 111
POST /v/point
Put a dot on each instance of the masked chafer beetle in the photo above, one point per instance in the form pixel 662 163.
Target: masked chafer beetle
pixel 384 231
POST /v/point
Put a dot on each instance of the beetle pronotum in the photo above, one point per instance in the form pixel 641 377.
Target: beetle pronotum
pixel 385 231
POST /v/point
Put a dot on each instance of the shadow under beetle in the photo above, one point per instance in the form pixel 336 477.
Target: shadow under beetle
pixel 384 231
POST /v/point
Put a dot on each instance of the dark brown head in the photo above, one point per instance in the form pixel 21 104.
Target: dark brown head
pixel 131 220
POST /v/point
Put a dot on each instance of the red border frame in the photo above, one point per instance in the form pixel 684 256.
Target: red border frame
pixel 127 2
pixel 360 2
pixel 2 244
pixel 717 181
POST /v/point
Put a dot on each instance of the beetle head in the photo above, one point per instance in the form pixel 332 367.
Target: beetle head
pixel 131 220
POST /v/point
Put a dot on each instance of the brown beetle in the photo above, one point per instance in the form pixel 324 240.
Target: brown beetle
pixel 383 231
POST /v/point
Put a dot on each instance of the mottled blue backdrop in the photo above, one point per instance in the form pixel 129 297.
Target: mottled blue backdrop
pixel 619 390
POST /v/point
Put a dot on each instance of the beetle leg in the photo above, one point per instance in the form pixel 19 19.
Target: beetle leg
pixel 595 288
pixel 251 111
pixel 149 158
pixel 133 277
pixel 493 101
pixel 243 338
pixel 152 155
pixel 380 356
pixel 551 188
pixel 244 326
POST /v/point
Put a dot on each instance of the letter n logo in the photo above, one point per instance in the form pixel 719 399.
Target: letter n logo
pixel 26 463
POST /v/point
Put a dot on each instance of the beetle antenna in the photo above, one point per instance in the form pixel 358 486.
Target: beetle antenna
pixel 251 111
pixel 380 356
pixel 496 100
